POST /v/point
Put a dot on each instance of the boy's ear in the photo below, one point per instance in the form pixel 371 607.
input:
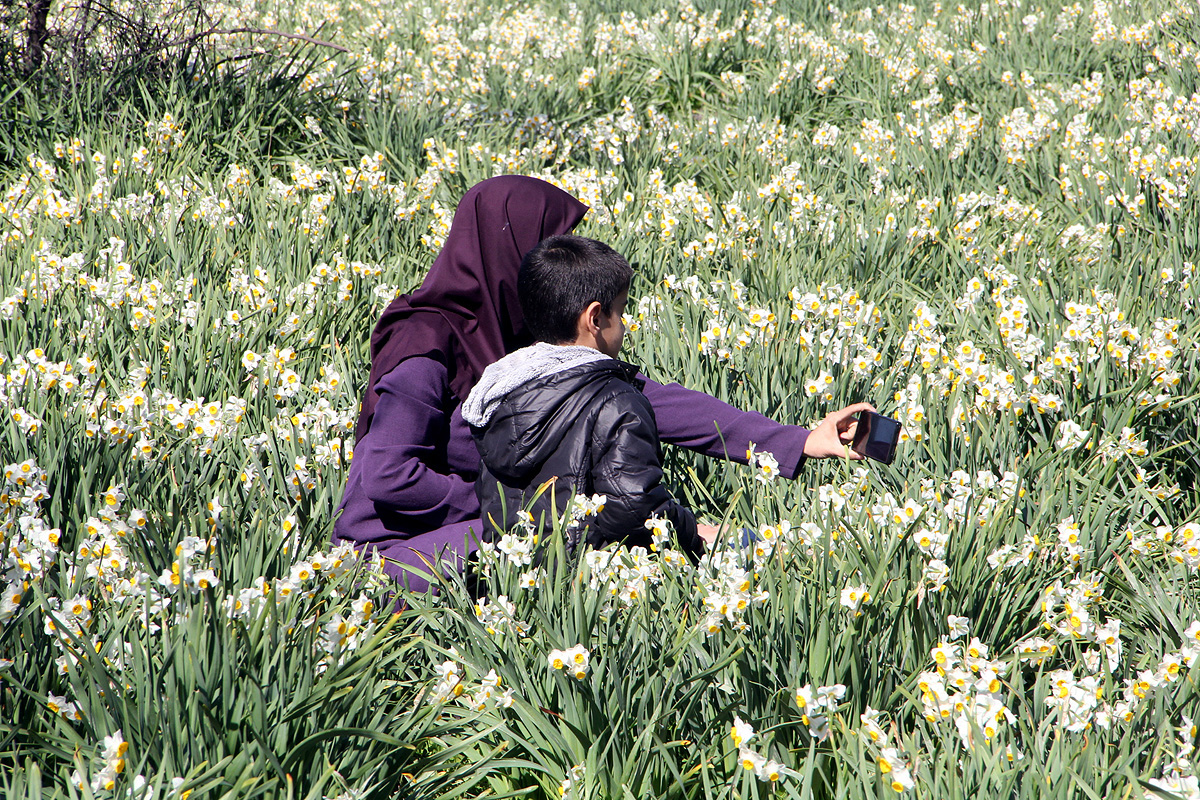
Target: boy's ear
pixel 589 320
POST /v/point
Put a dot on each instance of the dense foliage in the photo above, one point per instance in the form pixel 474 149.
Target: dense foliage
pixel 982 219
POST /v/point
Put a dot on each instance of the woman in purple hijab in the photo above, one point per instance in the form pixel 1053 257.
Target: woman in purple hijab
pixel 410 493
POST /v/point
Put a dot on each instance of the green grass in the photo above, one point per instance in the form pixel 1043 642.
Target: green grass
pixel 234 277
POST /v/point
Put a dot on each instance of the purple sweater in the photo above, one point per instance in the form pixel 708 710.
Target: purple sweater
pixel 411 490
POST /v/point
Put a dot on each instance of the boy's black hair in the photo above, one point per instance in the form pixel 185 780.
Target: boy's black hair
pixel 562 276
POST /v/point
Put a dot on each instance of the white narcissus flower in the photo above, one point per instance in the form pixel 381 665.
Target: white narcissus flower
pixel 765 465
pixel 578 661
pixel 770 771
pixel 828 696
pixel 567 789
pixel 768 468
pixel 751 760
pixel 871 727
pixel 806 700
pixel 204 579
pixel 889 761
pixel 660 532
pixel 1191 634
pixel 741 732
pixel 901 780
pixel 1070 435
pixel 818 728
pixel 575 660
pixel 853 597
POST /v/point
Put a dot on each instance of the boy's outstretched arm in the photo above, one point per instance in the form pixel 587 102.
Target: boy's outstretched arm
pixel 628 470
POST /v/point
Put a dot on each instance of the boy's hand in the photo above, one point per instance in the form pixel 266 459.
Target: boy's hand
pixel 707 532
pixel 831 438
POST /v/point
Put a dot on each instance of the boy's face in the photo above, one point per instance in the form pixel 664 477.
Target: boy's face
pixel 612 331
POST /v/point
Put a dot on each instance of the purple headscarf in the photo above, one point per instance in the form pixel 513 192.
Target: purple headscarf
pixel 465 313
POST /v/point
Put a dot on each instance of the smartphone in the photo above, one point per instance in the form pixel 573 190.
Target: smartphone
pixel 876 437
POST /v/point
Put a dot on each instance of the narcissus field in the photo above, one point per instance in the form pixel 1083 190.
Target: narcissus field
pixel 982 218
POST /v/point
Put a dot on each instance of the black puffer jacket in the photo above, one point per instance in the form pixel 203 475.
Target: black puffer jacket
pixel 591 428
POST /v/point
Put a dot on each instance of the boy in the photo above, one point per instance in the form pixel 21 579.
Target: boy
pixel 566 410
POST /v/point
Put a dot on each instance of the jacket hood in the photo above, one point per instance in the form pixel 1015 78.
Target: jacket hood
pixel 516 370
pixel 526 425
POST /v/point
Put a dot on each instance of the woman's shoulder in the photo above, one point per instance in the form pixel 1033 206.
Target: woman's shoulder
pixel 418 374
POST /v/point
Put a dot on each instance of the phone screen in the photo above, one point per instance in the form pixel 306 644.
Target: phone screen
pixel 876 437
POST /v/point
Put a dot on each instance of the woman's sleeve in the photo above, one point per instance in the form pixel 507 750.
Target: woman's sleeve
pixel 403 469
pixel 707 425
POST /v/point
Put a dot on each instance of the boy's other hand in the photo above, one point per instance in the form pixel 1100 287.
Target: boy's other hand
pixel 707 532
pixel 831 438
